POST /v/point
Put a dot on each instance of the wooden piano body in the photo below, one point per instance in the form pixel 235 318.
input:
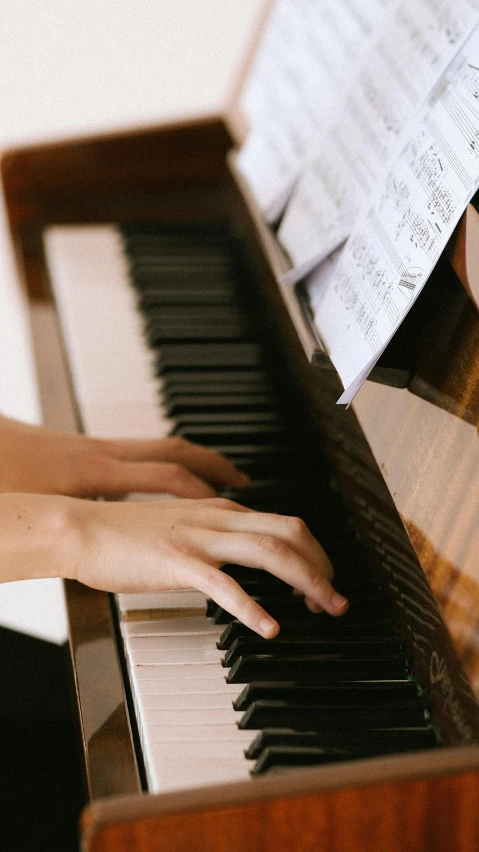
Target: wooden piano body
pixel 407 457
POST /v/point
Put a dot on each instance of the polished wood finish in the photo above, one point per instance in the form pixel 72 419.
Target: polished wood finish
pixel 110 763
pixel 434 814
pixel 82 179
pixel 427 457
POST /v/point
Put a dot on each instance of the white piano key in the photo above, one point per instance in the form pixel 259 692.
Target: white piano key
pixel 199 733
pixel 111 370
pixel 195 751
pixel 135 419
pixel 194 626
pixel 191 657
pixel 176 672
pixel 203 686
pixel 221 716
pixel 186 701
pixel 166 776
pixel 174 599
pixel 173 643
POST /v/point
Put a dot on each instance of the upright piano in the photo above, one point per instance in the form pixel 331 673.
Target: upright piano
pixel 353 733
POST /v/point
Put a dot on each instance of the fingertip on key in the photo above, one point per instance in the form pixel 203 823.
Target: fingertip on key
pixel 268 628
pixel 339 604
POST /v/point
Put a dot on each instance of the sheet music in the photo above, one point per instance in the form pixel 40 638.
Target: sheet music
pixel 299 78
pixel 361 295
pixel 356 149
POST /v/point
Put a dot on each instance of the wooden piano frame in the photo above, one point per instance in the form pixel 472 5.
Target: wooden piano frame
pixel 423 801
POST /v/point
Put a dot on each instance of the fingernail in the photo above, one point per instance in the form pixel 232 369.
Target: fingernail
pixel 268 627
pixel 338 601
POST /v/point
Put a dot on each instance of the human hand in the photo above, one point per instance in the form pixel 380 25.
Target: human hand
pixel 39 460
pixel 182 544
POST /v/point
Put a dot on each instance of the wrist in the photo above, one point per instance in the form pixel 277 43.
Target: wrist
pixel 38 537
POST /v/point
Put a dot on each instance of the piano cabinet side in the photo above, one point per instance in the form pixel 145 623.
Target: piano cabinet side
pixel 430 462
pixel 426 814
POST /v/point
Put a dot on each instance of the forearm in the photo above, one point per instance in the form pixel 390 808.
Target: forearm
pixel 36 536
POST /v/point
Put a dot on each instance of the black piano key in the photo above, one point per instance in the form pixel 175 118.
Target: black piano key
pixel 372 609
pixel 360 743
pixel 262 587
pixel 201 355
pixel 208 418
pixel 245 575
pixel 366 694
pixel 268 496
pixel 186 295
pixel 326 717
pixel 293 606
pixel 197 314
pixel 259 467
pixel 321 625
pixel 267 452
pixel 277 758
pixel 159 334
pixel 191 316
pixel 212 378
pixel 185 277
pixel 365 592
pixel 213 433
pixel 240 405
pixel 281 758
pixel 317 669
pixel 180 388
pixel 359 647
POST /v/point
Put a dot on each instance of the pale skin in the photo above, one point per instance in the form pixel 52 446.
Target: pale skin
pixel 46 530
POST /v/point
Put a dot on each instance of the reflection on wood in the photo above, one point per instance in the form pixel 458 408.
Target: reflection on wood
pixel 457 596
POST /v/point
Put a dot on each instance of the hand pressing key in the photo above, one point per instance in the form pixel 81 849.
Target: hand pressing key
pixel 133 547
pixel 40 460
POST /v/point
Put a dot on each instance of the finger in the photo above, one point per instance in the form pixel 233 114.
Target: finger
pixel 110 477
pixel 293 531
pixel 202 461
pixel 228 594
pixel 313 606
pixel 208 517
pixel 274 555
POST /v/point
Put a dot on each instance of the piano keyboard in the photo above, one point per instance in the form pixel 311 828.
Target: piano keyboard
pixel 213 701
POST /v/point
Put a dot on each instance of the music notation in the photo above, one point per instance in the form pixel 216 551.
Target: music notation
pixel 361 294
pixel 354 150
pixel 297 83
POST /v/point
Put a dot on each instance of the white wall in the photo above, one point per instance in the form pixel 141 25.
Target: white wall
pixel 70 68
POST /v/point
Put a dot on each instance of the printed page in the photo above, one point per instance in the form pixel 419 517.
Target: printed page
pixel 298 81
pixel 361 295
pixel 354 153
